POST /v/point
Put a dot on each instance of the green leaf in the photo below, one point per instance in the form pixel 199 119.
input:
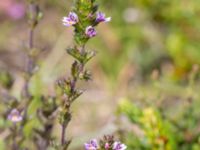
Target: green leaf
pixel 2 145
pixel 75 69
pixel 30 126
pixel 128 108
pixel 34 105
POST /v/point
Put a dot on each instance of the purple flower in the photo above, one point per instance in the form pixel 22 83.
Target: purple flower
pixel 119 146
pixel 70 20
pixel 16 11
pixel 101 17
pixel 107 146
pixel 90 31
pixel 92 145
pixel 15 116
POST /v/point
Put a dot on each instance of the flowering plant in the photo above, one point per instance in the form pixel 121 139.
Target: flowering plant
pixel 83 18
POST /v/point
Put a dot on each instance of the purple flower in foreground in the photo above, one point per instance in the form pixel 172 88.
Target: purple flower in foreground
pixel 70 20
pixel 92 145
pixel 119 146
pixel 107 146
pixel 16 11
pixel 15 116
pixel 101 17
pixel 90 31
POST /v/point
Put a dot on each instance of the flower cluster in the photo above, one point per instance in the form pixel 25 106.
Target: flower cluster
pixel 115 145
pixel 119 146
pixel 72 19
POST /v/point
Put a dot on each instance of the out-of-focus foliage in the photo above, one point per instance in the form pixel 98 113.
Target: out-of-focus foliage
pixel 5 79
pixel 151 33
pixel 157 133
pixel 163 124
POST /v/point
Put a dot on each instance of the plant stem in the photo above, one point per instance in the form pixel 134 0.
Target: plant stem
pixel 31 35
pixel 63 134
pixel 30 61
pixel 14 145
pixel 70 100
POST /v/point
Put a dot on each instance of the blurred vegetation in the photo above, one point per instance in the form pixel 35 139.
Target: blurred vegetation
pixel 153 33
pixel 160 129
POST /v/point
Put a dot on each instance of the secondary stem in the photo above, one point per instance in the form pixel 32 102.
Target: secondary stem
pixel 14 146
pixel 31 34
pixel 30 61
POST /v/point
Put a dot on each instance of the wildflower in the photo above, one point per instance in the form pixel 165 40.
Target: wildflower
pixel 90 31
pixel 16 11
pixel 71 19
pixel 101 17
pixel 92 145
pixel 119 146
pixel 15 116
pixel 107 146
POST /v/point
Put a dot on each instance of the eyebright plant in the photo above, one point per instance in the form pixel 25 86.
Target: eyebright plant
pixel 84 18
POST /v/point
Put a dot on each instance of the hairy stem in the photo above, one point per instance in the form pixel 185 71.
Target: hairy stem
pixel 31 35
pixel 30 63
pixel 63 134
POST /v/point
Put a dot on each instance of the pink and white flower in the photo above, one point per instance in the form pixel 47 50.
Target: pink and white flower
pixel 70 20
pixel 15 116
pixel 101 17
pixel 90 31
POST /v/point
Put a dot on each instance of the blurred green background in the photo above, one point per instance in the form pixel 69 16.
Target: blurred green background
pixel 145 85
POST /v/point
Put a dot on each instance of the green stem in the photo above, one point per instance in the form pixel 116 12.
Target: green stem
pixel 14 145
pixel 63 134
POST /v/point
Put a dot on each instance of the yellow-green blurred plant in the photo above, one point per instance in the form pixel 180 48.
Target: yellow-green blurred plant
pixel 159 131
pixel 152 33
